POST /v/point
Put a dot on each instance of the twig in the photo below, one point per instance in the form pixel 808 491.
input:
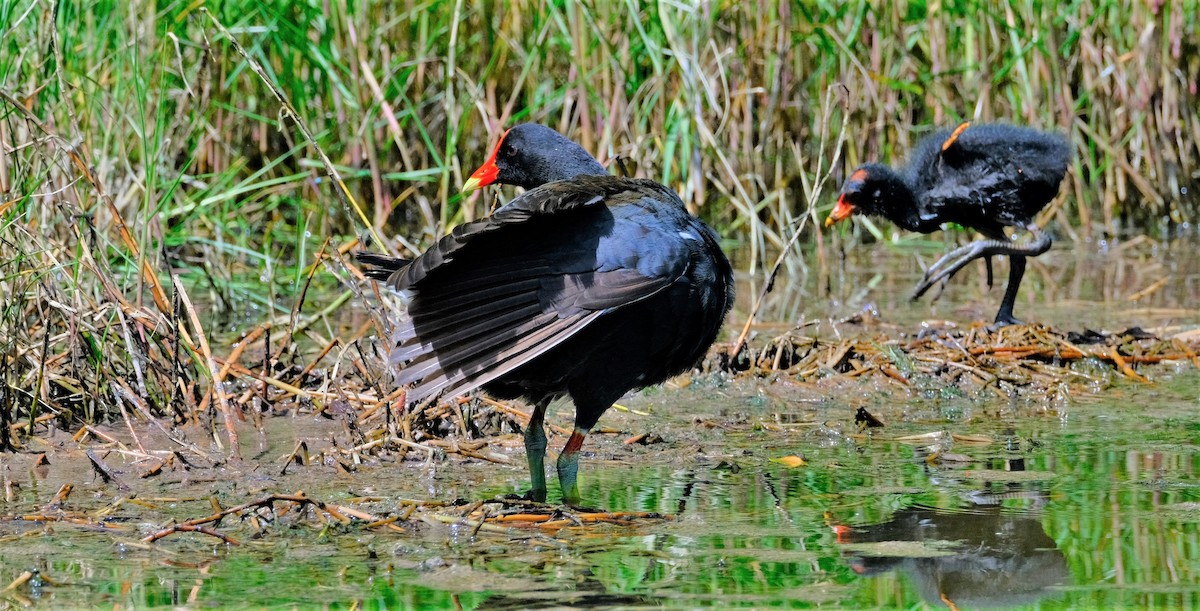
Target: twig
pixel 277 383
pixel 188 528
pixel 817 188
pixel 103 470
pixel 21 580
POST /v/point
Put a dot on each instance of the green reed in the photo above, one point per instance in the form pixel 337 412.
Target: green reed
pixel 737 105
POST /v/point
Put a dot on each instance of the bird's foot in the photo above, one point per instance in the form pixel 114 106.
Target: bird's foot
pixel 1003 320
pixel 568 467
pixel 535 495
pixel 576 508
pixel 926 285
pixel 951 262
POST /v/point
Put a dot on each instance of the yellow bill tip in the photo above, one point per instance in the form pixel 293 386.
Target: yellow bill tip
pixel 470 186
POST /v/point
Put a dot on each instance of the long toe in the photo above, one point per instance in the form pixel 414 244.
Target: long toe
pixel 927 284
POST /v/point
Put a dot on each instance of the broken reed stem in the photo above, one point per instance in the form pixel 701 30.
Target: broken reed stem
pixel 125 416
pixel 242 343
pixel 1012 355
pixel 277 383
pixel 340 513
pixel 178 528
pixel 213 372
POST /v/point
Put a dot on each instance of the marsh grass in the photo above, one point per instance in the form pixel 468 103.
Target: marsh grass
pixel 143 115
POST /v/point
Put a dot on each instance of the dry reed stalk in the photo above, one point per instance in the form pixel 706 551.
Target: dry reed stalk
pixel 218 386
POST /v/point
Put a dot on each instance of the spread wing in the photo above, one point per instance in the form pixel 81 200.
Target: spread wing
pixel 497 293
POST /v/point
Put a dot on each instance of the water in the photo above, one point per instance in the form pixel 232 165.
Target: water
pixel 1096 504
pixel 1091 502
pixel 1110 285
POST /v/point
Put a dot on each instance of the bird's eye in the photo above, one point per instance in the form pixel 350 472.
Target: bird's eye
pixel 877 194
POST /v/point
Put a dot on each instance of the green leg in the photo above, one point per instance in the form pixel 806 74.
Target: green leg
pixel 568 466
pixel 535 453
pixel 1016 269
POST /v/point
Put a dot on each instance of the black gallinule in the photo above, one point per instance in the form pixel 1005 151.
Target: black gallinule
pixel 587 285
pixel 985 177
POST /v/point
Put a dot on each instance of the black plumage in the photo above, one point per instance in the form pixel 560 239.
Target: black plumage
pixel 985 177
pixel 587 286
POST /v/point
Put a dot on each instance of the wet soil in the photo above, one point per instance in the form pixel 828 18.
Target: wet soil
pixel 751 489
pixel 768 494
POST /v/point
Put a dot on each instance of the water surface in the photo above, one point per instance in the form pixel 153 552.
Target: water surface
pixel 1091 504
pixel 1088 500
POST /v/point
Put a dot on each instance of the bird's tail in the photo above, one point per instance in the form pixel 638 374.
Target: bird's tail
pixel 380 267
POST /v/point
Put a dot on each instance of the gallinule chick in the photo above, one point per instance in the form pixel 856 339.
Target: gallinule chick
pixel 587 285
pixel 985 177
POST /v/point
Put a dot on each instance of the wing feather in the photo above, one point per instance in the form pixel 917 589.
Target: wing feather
pixel 485 367
pixel 497 293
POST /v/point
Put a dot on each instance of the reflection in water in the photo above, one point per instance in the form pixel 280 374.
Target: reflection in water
pixel 985 555
pixel 588 594
pixel 1097 285
pixel 1113 482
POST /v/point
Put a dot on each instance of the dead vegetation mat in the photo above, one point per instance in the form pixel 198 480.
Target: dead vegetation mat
pixel 1028 358
pixel 179 429
pixel 162 380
